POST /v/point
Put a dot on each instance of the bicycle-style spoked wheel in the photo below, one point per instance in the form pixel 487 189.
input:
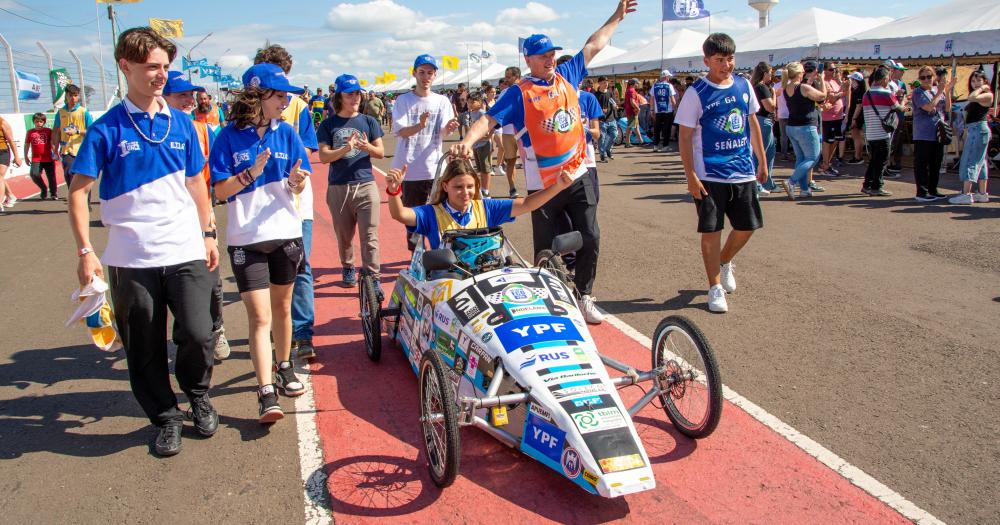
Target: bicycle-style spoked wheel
pixel 690 383
pixel 371 312
pixel 439 419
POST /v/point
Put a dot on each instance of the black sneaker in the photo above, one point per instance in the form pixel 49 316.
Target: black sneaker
pixel 350 276
pixel 304 348
pixel 855 162
pixel 168 440
pixel 285 379
pixel 267 401
pixel 206 419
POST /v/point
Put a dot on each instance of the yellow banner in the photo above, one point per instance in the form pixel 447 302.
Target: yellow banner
pixel 167 28
pixel 449 62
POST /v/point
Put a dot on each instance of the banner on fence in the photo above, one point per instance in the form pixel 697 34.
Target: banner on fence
pixel 29 86
pixel 60 79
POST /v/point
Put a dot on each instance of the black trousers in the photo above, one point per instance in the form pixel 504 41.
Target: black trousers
pixel 662 127
pixel 927 158
pixel 879 151
pixel 897 148
pixel 579 203
pixel 50 173
pixel 141 297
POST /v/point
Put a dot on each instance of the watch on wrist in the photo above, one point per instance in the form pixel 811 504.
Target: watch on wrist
pixel 211 234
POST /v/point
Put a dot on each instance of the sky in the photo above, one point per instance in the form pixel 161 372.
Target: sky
pixel 367 37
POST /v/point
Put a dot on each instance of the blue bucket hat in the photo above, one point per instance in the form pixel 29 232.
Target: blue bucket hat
pixel 269 76
pixel 176 83
pixel 537 45
pixel 425 59
pixel 347 84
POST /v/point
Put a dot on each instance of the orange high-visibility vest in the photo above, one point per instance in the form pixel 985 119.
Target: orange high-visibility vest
pixel 552 121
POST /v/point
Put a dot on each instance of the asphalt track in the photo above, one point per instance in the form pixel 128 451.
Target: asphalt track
pixel 867 324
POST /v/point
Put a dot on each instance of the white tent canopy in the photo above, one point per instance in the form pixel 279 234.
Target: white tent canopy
pixel 681 43
pixel 493 72
pixel 606 56
pixel 960 28
pixel 800 36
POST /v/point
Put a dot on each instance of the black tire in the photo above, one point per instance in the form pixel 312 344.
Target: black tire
pixel 440 437
pixel 371 314
pixel 692 387
pixel 555 265
pixel 619 137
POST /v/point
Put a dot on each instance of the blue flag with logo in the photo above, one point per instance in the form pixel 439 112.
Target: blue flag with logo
pixel 29 87
pixel 190 64
pixel 684 9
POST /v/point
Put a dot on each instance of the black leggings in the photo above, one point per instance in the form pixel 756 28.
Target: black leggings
pixel 50 173
pixel 927 158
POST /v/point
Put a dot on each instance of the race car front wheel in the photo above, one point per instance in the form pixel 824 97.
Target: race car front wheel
pixel 439 418
pixel 554 264
pixel 691 389
pixel 371 312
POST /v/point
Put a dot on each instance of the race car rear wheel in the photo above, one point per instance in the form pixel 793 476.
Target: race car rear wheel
pixel 439 418
pixel 371 312
pixel 690 383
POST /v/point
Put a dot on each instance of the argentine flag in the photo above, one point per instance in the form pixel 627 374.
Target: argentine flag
pixel 29 87
pixel 684 9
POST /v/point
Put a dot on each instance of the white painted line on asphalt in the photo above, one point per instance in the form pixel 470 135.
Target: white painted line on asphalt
pixel 311 453
pixel 851 473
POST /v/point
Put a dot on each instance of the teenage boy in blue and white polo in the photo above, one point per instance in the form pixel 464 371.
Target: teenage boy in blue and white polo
pixel 664 99
pixel 156 207
pixel 259 166
pixel 717 132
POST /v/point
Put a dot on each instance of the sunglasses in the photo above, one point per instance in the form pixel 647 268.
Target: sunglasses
pixel 926 77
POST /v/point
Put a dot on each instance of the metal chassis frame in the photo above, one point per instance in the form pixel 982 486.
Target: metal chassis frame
pixel 468 404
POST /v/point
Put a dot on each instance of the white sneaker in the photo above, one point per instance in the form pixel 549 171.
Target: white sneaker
pixel 589 310
pixel 806 193
pixel 981 197
pixel 962 198
pixel 11 201
pixel 790 190
pixel 762 191
pixel 221 345
pixel 657 149
pixel 717 299
pixel 728 277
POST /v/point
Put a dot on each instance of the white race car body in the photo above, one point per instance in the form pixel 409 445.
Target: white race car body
pixel 527 321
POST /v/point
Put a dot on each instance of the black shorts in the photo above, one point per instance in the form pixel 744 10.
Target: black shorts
pixel 5 157
pixel 737 201
pixel 258 265
pixel 833 131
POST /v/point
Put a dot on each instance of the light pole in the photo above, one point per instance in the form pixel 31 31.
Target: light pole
pixel 197 44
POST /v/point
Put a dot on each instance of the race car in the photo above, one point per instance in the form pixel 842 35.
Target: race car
pixel 502 346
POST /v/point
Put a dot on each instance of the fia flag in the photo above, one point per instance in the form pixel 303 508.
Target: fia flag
pixel 190 64
pixel 29 87
pixel 684 9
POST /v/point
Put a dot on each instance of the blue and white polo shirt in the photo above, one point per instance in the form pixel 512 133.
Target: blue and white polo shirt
pixel 264 210
pixel 151 218
pixel 720 116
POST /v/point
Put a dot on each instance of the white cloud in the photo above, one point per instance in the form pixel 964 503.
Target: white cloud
pixel 238 62
pixel 377 15
pixel 532 13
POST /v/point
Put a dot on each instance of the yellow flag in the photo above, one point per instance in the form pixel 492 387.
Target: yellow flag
pixel 449 62
pixel 379 80
pixel 167 28
pixel 363 82
pixel 411 71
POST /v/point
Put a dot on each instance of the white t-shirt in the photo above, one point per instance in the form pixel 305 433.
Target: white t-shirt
pixel 779 101
pixel 421 152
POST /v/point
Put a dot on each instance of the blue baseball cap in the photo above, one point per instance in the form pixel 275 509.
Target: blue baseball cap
pixel 537 45
pixel 269 76
pixel 176 83
pixel 347 84
pixel 425 59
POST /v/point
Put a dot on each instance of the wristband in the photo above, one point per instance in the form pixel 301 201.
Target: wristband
pixel 245 178
pixel 84 251
pixel 396 194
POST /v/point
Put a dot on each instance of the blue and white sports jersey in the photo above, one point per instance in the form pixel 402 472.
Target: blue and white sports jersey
pixel 264 210
pixel 721 139
pixel 662 91
pixel 151 218
pixel 590 109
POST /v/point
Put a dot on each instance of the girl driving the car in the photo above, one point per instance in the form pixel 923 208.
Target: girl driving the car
pixel 456 205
